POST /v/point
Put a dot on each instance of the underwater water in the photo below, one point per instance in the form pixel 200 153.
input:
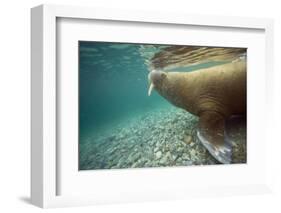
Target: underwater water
pixel 120 126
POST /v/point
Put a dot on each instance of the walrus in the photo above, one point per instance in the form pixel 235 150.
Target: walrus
pixel 213 94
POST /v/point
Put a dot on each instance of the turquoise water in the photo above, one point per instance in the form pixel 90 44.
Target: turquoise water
pixel 114 101
pixel 113 84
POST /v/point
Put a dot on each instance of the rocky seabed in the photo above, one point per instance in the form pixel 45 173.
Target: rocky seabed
pixel 160 138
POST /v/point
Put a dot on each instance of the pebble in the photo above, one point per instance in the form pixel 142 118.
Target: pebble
pixel 187 139
pixel 163 161
pixel 192 153
pixel 158 155
pixel 185 156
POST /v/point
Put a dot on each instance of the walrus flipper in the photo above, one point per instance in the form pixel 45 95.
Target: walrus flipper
pixel 211 133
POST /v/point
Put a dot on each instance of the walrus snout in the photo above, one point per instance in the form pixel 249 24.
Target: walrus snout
pixel 155 78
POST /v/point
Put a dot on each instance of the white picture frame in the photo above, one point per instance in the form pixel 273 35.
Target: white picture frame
pixel 45 166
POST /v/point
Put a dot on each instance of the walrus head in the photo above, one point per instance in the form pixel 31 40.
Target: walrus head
pixel 164 83
pixel 156 80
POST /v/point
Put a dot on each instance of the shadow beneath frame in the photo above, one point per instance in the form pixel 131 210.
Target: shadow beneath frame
pixel 26 200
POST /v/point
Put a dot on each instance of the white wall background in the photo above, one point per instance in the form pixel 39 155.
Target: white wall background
pixel 15 103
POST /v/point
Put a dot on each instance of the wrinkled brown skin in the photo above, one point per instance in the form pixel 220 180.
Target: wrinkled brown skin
pixel 213 94
pixel 221 89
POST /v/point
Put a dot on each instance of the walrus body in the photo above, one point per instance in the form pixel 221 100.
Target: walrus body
pixel 214 94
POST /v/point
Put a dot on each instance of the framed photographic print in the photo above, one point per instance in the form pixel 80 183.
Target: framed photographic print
pixel 130 106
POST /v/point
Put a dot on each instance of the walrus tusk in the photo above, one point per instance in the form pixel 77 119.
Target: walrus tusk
pixel 150 88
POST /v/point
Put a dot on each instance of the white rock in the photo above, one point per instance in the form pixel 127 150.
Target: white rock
pixel 185 156
pixel 163 160
pixel 187 139
pixel 158 154
pixel 192 153
pixel 174 157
